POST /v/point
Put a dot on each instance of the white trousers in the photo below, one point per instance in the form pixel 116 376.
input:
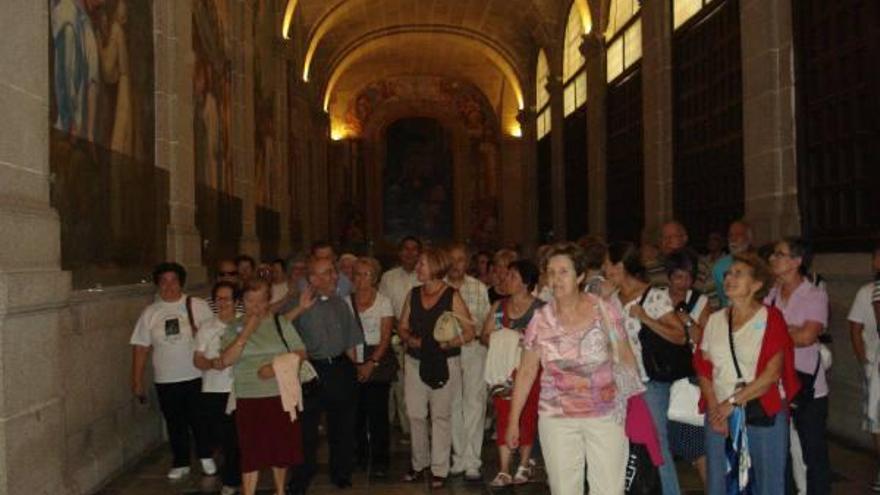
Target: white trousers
pixel 433 452
pixel 396 399
pixel 469 410
pixel 568 444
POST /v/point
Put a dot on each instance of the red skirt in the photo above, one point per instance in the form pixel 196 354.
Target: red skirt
pixel 528 419
pixel 266 436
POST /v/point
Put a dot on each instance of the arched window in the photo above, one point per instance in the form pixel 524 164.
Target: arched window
pixel 542 96
pixel 624 37
pixel 684 10
pixel 574 74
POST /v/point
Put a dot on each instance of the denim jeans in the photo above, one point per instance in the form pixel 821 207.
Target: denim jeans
pixel 768 447
pixel 657 397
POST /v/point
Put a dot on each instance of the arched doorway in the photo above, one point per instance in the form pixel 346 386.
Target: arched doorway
pixel 417 180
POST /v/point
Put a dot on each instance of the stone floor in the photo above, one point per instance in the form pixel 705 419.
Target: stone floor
pixel 853 471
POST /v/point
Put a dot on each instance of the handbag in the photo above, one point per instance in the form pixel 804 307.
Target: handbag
pixel 808 384
pixel 386 369
pixel 755 413
pixel 684 395
pixel 663 360
pixel 642 476
pixel 446 327
pixel 308 377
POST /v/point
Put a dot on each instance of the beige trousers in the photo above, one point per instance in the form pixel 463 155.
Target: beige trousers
pixel 420 399
pixel 570 443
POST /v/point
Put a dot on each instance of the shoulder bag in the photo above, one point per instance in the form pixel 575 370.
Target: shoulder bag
pixel 663 360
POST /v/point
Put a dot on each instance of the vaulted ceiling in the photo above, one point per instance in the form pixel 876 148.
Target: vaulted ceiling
pixel 490 43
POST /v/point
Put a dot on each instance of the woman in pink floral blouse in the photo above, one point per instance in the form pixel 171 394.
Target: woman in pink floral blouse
pixel 581 407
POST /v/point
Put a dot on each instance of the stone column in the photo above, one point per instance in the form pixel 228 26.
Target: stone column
pixel 593 49
pixel 768 118
pixel 320 195
pixel 657 130
pixel 557 164
pixel 243 126
pixel 33 289
pixel 528 207
pixel 172 42
pixel 282 134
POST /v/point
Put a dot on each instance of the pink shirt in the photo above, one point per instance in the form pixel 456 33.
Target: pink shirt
pixel 806 303
pixel 577 364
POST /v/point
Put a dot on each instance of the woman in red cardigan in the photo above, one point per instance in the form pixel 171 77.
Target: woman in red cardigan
pixel 764 355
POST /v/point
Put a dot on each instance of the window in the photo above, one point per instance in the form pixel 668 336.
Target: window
pixel 574 74
pixel 542 96
pixel 625 169
pixel 708 176
pixel 836 47
pixel 684 10
pixel 625 38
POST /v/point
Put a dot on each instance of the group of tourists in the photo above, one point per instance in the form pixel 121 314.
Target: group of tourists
pixel 605 362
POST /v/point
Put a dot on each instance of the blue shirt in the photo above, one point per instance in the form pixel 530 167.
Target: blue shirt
pixel 721 266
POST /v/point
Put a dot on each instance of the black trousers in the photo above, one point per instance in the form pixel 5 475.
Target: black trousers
pixel 336 397
pixel 181 405
pixel 223 435
pixel 372 426
pixel 810 421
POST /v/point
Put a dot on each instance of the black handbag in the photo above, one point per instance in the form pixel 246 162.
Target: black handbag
pixel 386 370
pixel 642 476
pixel 808 385
pixel 663 360
pixel 755 413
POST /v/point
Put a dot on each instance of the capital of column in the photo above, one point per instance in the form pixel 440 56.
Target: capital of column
pixel 591 45
pixel 525 116
pixel 553 84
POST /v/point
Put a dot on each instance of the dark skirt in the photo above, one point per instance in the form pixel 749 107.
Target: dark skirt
pixel 266 436
pixel 687 441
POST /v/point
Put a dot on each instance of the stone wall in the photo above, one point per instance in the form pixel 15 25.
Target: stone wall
pixel 106 429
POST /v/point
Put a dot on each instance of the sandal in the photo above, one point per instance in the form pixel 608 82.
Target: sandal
pixel 523 475
pixel 501 480
pixel 413 476
pixel 437 481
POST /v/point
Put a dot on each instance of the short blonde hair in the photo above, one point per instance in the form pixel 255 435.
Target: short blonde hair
pixel 439 261
pixel 373 265
pixel 504 257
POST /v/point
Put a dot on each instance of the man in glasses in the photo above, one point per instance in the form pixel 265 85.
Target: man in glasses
pixel 227 271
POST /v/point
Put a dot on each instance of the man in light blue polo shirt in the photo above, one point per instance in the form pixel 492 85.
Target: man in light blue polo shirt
pixel 739 240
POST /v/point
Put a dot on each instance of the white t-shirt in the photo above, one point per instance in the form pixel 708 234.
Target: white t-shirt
pixel 208 343
pixel 395 285
pixel 862 311
pixel 656 304
pixel 716 348
pixel 165 328
pixel 371 319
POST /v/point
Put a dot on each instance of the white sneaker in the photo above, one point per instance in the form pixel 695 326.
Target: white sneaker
pixel 228 490
pixel 178 473
pixel 208 466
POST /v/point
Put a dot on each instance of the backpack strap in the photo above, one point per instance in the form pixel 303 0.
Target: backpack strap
pixel 189 314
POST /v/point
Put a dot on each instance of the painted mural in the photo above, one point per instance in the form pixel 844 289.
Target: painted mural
pixel 212 94
pixel 111 197
pixel 269 173
pixel 464 98
pixel 417 181
pixel 101 94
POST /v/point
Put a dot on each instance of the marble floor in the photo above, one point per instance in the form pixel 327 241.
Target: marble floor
pixel 853 471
